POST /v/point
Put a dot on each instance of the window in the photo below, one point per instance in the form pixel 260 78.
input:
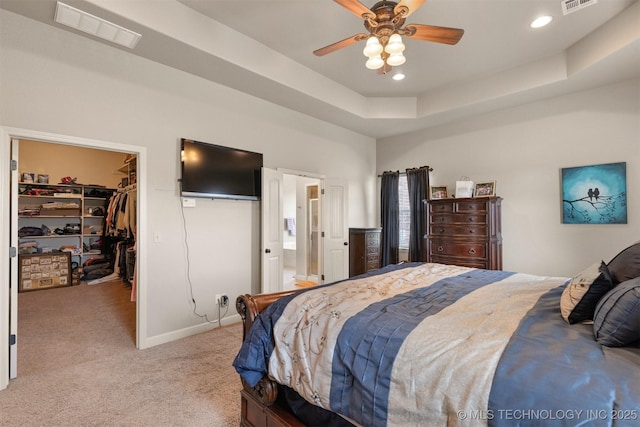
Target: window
pixel 404 212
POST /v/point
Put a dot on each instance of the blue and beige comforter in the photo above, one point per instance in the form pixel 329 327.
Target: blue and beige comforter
pixel 433 344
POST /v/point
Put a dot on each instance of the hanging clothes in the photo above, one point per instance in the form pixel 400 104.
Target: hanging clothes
pixel 121 224
pixel 121 212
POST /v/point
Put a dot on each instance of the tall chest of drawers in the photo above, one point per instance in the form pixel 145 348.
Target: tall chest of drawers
pixel 364 250
pixel 465 232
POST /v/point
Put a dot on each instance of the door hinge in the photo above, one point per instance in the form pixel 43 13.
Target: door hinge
pixel 13 164
pixel 13 252
pixel 322 191
pixel 12 339
pixel 322 234
pixel 322 277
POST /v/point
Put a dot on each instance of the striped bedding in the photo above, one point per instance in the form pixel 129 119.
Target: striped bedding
pixel 441 345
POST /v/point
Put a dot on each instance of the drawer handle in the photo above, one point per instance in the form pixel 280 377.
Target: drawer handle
pixel 471 231
pixel 440 249
pixel 470 219
pixel 472 251
pixel 441 230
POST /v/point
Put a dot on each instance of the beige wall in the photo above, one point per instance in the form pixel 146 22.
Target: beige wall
pixel 89 166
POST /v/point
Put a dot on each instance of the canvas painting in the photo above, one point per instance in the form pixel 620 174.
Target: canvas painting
pixel 595 194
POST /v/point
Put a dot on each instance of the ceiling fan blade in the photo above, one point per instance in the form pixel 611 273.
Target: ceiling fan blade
pixel 339 45
pixel 357 8
pixel 433 33
pixel 411 6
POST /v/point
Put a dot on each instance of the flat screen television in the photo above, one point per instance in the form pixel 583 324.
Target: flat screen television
pixel 218 172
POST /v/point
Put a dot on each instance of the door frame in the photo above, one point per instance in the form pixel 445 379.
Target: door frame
pixel 8 295
pixel 264 223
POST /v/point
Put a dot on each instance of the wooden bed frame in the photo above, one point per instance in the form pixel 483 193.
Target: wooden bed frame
pixel 259 407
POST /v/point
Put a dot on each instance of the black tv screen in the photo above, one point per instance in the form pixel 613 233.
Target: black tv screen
pixel 218 172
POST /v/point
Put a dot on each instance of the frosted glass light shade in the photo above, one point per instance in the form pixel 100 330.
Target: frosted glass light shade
pixel 372 48
pixel 374 63
pixel 396 59
pixel 394 45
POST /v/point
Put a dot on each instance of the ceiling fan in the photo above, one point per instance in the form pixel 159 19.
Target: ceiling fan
pixel 384 23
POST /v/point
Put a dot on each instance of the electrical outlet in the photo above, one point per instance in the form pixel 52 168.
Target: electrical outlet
pixel 222 300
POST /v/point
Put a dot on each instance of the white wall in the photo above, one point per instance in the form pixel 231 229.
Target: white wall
pixel 524 149
pixel 58 82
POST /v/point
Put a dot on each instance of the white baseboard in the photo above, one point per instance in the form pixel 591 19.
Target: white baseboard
pixel 192 330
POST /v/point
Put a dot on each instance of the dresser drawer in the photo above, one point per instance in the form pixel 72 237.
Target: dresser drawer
pixel 465 218
pixel 471 206
pixel 471 230
pixel 441 207
pixel 462 249
pixel 464 262
pixel 372 239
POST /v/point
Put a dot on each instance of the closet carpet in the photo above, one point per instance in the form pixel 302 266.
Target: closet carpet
pixel 78 365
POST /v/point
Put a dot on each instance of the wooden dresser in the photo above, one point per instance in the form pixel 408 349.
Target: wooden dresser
pixel 465 232
pixel 364 250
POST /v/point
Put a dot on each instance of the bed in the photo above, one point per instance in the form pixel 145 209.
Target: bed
pixel 441 345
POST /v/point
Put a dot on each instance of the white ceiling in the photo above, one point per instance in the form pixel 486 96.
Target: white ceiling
pixel 264 48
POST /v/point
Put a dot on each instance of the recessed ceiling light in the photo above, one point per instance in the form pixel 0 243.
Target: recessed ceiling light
pixel 398 76
pixel 83 21
pixel 541 21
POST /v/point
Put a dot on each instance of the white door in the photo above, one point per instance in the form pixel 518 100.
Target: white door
pixel 13 265
pixel 272 229
pixel 335 231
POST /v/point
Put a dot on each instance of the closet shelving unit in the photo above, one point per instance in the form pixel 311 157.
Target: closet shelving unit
pixel 129 168
pixel 69 209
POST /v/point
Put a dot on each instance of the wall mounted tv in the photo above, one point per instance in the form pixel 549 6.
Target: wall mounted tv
pixel 214 171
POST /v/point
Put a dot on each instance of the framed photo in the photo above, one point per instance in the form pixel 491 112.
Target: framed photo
pixel 485 189
pixel 594 194
pixel 438 192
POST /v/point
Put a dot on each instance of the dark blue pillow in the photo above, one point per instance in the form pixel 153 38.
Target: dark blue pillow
pixel 580 297
pixel 616 322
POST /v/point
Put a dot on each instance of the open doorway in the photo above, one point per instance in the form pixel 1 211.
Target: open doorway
pixel 66 239
pixel 9 181
pixel 301 238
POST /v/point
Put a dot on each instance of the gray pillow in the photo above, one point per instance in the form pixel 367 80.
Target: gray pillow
pixel 616 322
pixel 626 265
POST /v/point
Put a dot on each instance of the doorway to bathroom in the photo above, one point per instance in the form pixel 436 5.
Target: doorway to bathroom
pixel 301 231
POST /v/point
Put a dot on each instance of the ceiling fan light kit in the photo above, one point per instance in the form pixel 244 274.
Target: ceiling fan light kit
pixel 374 63
pixel 384 22
pixel 372 48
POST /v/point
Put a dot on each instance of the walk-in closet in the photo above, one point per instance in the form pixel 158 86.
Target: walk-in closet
pixel 76 226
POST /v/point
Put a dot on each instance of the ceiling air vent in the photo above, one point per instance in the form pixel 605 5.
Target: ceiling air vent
pixel 569 6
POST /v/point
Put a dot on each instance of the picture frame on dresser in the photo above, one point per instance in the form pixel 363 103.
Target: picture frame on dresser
pixel 438 192
pixel 485 189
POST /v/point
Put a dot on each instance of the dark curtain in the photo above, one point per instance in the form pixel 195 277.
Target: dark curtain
pixel 390 218
pixel 417 184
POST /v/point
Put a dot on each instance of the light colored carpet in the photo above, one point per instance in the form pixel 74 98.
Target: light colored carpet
pixel 78 365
